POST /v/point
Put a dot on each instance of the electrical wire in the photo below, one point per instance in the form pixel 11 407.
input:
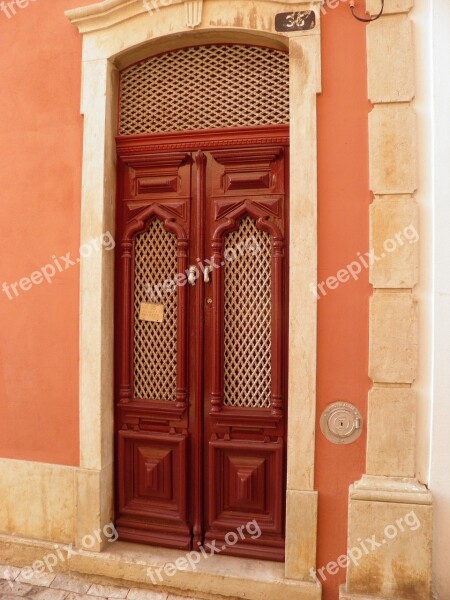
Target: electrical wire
pixel 352 8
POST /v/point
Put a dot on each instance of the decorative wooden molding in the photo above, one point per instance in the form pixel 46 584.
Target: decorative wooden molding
pixel 130 145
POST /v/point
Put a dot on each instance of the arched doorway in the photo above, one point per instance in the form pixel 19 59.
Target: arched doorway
pixel 116 34
pixel 202 299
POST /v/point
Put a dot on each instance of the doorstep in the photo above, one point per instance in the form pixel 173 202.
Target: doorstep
pixel 126 564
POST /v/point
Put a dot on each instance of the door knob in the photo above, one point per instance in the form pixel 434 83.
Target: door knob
pixel 192 275
pixel 207 274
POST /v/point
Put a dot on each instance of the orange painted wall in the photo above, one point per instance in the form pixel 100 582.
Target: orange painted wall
pixel 41 149
pixel 343 232
pixel 40 185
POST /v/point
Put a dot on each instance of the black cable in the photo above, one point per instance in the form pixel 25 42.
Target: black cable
pixel 352 8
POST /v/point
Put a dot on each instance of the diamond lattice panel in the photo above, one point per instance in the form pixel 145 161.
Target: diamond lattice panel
pixel 205 87
pixel 155 344
pixel 247 316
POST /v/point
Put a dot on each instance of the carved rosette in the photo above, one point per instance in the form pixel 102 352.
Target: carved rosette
pixel 194 13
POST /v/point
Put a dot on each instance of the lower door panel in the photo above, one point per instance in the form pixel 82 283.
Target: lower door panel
pixel 152 489
pixel 246 483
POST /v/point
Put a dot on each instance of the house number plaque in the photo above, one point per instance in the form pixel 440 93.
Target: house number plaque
pixel 301 20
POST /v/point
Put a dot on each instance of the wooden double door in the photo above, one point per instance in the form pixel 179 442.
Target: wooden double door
pixel 201 339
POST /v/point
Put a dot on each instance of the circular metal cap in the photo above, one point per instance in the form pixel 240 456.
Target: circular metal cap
pixel 341 423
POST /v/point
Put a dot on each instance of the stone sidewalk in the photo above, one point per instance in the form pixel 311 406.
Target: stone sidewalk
pixel 46 586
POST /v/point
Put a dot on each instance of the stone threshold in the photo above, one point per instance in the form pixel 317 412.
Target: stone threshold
pixel 124 564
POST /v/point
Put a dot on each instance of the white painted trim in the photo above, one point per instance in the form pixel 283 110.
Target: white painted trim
pixel 438 333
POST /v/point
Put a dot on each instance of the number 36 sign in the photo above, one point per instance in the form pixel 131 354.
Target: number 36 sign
pixel 295 21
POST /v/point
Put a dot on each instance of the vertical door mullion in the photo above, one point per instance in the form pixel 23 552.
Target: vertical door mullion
pixel 217 321
pixel 198 294
pixel 277 327
pixel 182 326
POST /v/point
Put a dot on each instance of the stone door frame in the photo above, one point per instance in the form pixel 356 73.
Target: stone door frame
pixel 117 33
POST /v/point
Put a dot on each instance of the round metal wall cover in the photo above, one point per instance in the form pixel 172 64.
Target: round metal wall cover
pixel 341 423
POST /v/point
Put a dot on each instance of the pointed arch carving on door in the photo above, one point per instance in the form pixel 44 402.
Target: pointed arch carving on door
pixel 139 224
pixel 233 219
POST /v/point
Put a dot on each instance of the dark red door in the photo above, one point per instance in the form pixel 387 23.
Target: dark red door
pixel 201 339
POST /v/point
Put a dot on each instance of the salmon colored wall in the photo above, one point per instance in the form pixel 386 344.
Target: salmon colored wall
pixel 41 149
pixel 343 232
pixel 40 179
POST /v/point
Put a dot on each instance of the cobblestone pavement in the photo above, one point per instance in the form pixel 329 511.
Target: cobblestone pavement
pixel 46 586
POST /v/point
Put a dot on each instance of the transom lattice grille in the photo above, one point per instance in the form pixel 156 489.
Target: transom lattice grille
pixel 205 87
pixel 155 344
pixel 247 318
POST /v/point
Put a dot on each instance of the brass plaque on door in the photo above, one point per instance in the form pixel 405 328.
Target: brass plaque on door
pixel 152 312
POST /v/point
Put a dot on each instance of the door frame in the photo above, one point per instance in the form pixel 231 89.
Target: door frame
pixel 117 33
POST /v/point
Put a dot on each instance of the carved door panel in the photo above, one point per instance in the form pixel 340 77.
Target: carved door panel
pixel 201 335
pixel 151 349
pixel 246 302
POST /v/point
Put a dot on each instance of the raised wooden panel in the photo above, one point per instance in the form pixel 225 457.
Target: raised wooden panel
pixel 157 174
pixel 154 474
pixel 154 467
pixel 246 479
pixel 245 483
pixel 156 184
pixel 248 170
pixel 243 181
pixel 152 486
